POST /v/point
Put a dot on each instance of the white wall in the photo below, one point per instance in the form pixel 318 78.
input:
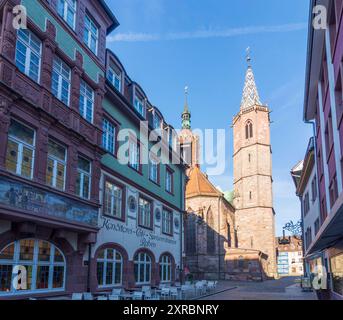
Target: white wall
pixel 314 213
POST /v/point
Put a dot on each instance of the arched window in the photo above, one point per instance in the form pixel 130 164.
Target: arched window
pixel 142 262
pixel 109 268
pixel 249 130
pixel 210 233
pixel 40 262
pixel 165 268
pixel 190 234
pixel 229 240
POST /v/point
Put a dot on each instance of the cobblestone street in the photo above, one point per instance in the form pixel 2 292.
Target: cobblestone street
pixel 283 289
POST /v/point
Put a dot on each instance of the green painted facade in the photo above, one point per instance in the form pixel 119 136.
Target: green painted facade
pixel 38 14
pixel 143 179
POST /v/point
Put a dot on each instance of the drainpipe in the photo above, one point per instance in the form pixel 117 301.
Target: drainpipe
pixel 318 188
pixel 219 203
pixel 89 268
pixel 182 213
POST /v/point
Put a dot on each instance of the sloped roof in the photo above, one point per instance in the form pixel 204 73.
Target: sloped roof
pixel 199 185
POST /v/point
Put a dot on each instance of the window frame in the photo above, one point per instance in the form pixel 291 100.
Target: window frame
pixel 35 264
pixel 61 77
pixel 57 161
pixel 68 5
pixel 89 32
pixel 29 51
pixel 157 121
pixel 249 130
pixel 105 262
pixel 115 76
pixel 85 91
pixel 82 175
pixel 106 136
pixel 167 231
pixel 163 264
pixel 123 200
pixel 140 102
pixel 141 218
pixel 171 172
pixel 143 262
pixel 154 163
pixel 21 144
pixel 137 166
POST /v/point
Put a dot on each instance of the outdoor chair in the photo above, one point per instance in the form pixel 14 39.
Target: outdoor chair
pixel 211 286
pixel 165 293
pixel 148 295
pixel 76 296
pixel 146 288
pixel 117 292
pixel 200 288
pixel 174 293
pixel 137 295
pixel 187 291
pixel 88 296
pixel 162 285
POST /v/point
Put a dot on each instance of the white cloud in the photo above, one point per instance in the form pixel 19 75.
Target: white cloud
pixel 205 33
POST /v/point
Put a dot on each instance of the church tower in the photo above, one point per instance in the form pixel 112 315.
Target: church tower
pixel 189 142
pixel 252 170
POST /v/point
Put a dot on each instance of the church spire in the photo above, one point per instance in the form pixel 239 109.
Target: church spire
pixel 250 94
pixel 186 115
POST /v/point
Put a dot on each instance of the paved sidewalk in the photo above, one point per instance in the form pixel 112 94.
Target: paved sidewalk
pixel 282 289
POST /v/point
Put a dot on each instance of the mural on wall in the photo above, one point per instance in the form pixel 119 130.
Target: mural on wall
pixel 147 239
pixel 132 203
pixel 158 215
pixel 35 200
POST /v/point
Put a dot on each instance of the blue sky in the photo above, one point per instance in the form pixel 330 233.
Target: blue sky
pixel 166 44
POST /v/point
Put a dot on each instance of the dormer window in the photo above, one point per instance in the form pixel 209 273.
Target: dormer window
pixel 139 106
pixel 67 10
pixel 115 78
pixel 91 35
pixel 157 121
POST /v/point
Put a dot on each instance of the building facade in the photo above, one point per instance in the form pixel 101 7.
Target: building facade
pixel 289 254
pixel 71 213
pixel 323 108
pixel 142 201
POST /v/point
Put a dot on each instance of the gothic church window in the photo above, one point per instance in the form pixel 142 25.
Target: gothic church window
pixel 210 233
pixel 249 130
pixel 229 242
pixel 191 234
